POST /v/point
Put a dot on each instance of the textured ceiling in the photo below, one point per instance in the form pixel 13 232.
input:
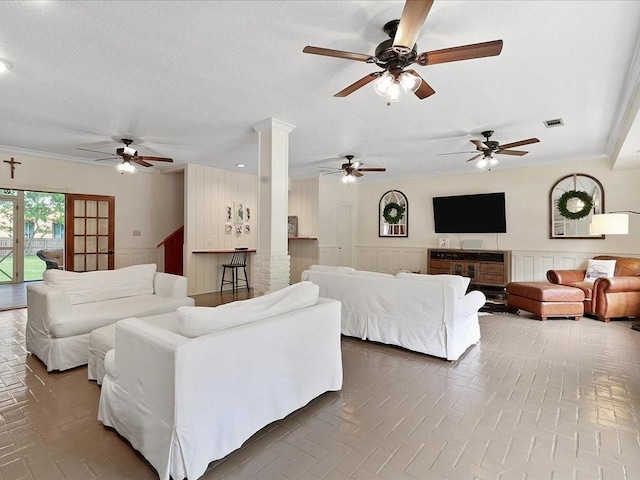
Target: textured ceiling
pixel 188 79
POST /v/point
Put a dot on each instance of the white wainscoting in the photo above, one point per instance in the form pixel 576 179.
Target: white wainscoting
pixel 391 259
pixel 526 265
pixel 125 257
pixel 532 266
pixel 328 255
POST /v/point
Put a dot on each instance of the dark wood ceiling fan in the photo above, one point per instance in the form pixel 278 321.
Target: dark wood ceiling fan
pixel 128 154
pixel 488 147
pixel 354 169
pixel 400 51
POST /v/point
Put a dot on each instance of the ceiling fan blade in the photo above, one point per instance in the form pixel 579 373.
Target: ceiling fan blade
pixel 372 169
pixel 327 52
pixel 94 151
pixel 424 90
pixel 331 173
pixel 479 144
pixel 355 86
pixel 518 144
pixel 464 52
pixel 474 157
pixel 512 152
pixel 103 159
pixel 455 153
pixel 153 159
pixel 413 16
pixel 356 173
pixel 139 161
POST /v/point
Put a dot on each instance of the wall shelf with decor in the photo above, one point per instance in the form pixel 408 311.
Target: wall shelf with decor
pixel 489 270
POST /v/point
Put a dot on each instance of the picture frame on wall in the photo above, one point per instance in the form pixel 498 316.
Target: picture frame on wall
pixel 292 226
pixel 238 213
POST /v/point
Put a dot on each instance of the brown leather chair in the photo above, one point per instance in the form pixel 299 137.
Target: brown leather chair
pixel 609 297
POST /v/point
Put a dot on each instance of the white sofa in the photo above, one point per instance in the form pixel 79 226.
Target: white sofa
pixel 430 314
pixel 189 394
pixel 62 311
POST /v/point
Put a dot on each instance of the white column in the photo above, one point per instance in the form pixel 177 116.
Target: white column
pixel 271 265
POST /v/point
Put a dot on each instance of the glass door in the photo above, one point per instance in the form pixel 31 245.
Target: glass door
pixel 8 240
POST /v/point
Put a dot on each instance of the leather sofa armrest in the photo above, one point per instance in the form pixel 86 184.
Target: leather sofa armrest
pixel 618 284
pixel 566 277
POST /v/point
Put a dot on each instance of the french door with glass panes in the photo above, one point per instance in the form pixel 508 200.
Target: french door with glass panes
pixel 10 228
pixel 90 232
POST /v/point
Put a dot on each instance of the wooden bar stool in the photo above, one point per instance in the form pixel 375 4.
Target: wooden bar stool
pixel 238 261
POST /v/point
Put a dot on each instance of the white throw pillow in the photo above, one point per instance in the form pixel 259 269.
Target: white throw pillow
pixel 197 321
pixel 598 269
pixel 362 273
pixel 458 282
pixel 332 269
pixel 89 287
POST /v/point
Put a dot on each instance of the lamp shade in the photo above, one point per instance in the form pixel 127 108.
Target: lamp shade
pixel 609 224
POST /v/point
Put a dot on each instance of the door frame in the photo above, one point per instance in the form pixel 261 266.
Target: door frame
pixel 17 227
pixel 70 234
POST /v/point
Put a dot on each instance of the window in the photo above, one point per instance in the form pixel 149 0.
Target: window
pixel 58 230
pixel 29 228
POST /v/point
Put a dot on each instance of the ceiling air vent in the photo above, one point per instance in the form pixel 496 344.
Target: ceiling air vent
pixel 556 122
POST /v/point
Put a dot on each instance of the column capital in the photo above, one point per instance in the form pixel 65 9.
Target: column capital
pixel 272 124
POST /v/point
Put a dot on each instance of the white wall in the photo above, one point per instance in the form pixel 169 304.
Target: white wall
pixel 147 201
pixel 527 204
pixel 208 191
pixel 303 203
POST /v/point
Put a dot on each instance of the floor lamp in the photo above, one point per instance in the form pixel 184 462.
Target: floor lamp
pixel 614 223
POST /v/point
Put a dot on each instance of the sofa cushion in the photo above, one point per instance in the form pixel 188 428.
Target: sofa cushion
pixel 89 316
pixel 586 287
pixel 598 269
pixel 197 321
pixel 332 269
pixel 98 286
pixel 458 282
pixel 362 273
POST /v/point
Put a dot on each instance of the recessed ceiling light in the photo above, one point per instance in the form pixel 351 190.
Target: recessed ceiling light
pixel 240 165
pixel 4 65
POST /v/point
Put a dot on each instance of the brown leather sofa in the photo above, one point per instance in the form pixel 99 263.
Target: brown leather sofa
pixel 609 297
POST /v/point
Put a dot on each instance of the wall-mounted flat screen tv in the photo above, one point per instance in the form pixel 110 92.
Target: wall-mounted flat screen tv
pixel 481 213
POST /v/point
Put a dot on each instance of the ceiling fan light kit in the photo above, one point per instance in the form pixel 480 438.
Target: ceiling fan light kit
pixel 348 179
pixel 397 53
pixel 126 167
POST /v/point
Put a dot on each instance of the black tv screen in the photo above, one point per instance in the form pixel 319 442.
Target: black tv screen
pixel 481 213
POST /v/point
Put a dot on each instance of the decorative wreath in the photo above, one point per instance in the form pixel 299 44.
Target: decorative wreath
pixel 393 213
pixel 586 199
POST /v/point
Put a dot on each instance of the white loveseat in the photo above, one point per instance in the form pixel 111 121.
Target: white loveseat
pixel 62 311
pixel 430 314
pixel 189 394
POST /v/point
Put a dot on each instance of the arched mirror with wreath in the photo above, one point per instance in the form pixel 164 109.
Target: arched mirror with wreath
pixel 573 200
pixel 393 217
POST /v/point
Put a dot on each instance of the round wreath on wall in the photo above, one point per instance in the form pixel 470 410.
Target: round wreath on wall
pixel 393 212
pixel 584 197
